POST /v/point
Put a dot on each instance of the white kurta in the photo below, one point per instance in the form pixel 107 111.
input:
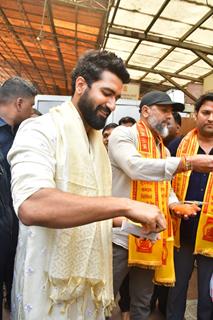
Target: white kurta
pixel 30 295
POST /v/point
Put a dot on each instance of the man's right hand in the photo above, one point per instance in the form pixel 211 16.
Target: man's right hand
pixel 201 163
pixel 148 215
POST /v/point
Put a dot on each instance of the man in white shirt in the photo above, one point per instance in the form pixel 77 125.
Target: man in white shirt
pixel 61 184
pixel 129 165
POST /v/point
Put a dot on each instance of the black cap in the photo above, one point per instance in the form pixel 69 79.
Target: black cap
pixel 159 98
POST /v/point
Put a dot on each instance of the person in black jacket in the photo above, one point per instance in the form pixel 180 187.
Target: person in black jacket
pixel 5 226
pixel 16 101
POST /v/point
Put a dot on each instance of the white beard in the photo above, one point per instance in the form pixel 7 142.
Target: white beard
pixel 165 132
pixel 162 130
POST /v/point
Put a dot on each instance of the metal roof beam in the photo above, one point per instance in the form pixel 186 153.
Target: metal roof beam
pixel 197 25
pixel 187 65
pixel 111 23
pixel 103 28
pixel 203 57
pixel 57 45
pixel 157 39
pixel 133 51
pixel 34 36
pixel 207 74
pixel 181 39
pixel 179 87
pixel 164 73
pixel 48 35
pixel 148 28
pixel 19 64
pixel 20 43
pixel 157 16
pixel 101 5
pixel 11 65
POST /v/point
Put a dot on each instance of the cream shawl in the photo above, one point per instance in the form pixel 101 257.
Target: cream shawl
pixel 80 258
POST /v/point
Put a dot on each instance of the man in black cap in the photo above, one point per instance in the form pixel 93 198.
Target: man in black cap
pixel 142 170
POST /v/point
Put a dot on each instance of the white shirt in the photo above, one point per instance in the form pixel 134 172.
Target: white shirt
pixel 128 164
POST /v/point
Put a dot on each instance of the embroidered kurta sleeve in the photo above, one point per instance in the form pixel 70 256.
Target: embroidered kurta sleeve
pixel 172 197
pixel 32 159
pixel 124 155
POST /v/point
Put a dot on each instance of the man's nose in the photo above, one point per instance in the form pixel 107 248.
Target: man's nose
pixel 210 117
pixel 169 115
pixel 111 103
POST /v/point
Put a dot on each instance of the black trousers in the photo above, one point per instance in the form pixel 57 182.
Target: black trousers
pixel 5 251
pixel 124 302
pixel 8 280
pixel 184 264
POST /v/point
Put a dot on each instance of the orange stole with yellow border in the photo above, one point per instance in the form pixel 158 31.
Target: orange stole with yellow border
pixel 144 253
pixel 204 238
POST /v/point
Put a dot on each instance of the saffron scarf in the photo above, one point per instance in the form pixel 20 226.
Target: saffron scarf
pixel 204 237
pixel 144 253
pixel 80 258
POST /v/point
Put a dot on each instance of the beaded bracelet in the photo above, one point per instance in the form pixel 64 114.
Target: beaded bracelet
pixel 187 164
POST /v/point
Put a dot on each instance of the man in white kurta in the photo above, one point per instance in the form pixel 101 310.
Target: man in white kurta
pixel 37 291
pixel 61 182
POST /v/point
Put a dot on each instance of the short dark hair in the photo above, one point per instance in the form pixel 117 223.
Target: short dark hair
pixel 177 118
pixel 16 87
pixel 126 120
pixel 91 65
pixel 205 97
pixel 111 125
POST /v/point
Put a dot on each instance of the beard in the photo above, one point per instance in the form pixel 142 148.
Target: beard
pixel 157 126
pixel 90 112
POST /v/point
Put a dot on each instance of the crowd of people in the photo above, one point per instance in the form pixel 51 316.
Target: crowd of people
pixel 73 186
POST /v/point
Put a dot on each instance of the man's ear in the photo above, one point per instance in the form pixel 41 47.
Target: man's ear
pixel 145 111
pixel 178 128
pixel 18 104
pixel 80 85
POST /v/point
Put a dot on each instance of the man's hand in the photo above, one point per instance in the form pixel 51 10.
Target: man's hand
pixel 148 215
pixel 201 162
pixel 117 222
pixel 184 210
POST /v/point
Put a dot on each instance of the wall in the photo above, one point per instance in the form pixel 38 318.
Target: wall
pixel 208 83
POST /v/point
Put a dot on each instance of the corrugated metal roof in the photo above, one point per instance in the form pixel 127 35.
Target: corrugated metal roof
pixel 165 42
pixel 41 40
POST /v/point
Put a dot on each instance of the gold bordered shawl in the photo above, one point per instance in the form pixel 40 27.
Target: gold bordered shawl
pixel 81 257
pixel 204 238
pixel 144 253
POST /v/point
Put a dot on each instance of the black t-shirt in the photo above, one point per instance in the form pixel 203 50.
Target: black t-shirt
pixel 195 191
